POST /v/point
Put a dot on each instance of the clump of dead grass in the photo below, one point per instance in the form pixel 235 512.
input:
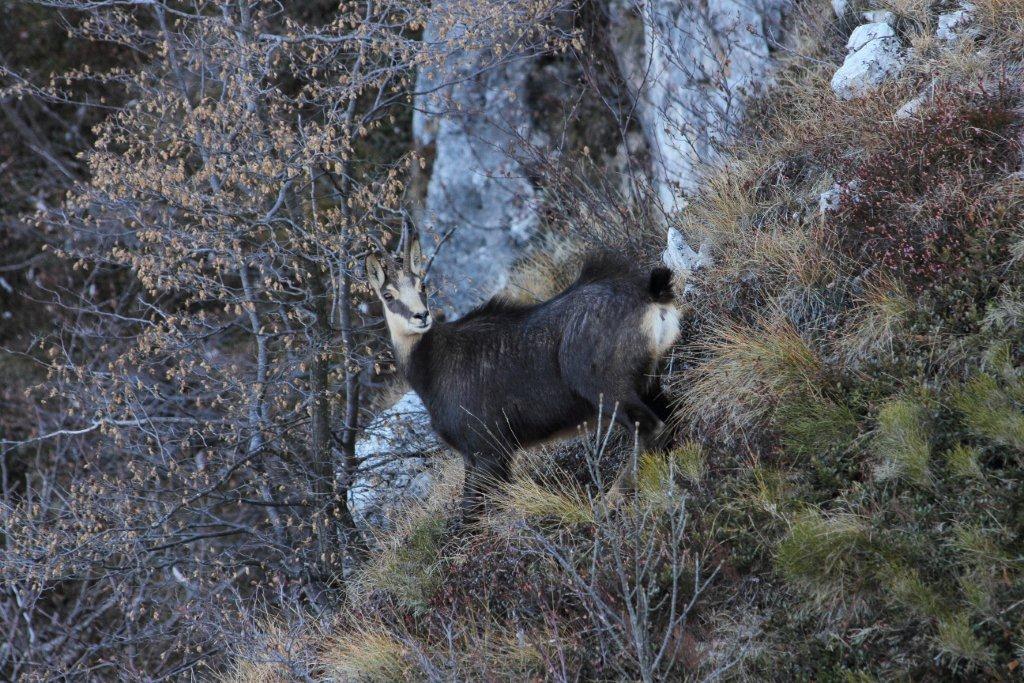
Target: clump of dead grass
pixel 744 371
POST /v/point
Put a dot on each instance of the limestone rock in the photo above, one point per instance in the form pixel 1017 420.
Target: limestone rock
pixel 876 54
pixel 828 201
pixel 472 114
pixel 680 258
pixel 865 33
pixel 957 24
pixel 876 15
pixel 395 467
pixel 910 108
pixel 689 65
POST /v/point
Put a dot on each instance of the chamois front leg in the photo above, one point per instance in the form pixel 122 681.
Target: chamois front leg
pixel 635 414
pixel 484 472
pixel 655 399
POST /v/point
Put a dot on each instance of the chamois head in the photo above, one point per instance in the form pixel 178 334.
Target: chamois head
pixel 398 283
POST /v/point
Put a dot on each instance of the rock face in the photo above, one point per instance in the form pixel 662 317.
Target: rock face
pixel 472 115
pixel 689 65
pixel 875 55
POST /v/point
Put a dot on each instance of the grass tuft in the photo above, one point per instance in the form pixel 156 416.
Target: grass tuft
pixel 902 442
pixel 368 654
pixel 909 590
pixel 963 461
pixel 560 501
pixel 747 370
pixel 956 639
pixel 990 413
pixel 878 321
pixel 654 478
pixel 405 565
pixel 691 461
pixel 821 552
pixel 812 425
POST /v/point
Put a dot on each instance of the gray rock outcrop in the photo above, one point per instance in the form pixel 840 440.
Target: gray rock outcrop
pixel 395 470
pixel 472 116
pixel 690 65
pixel 957 24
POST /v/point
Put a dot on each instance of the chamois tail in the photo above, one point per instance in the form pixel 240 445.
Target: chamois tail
pixel 660 286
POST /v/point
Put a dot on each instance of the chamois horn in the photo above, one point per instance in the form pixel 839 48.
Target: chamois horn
pixel 405 243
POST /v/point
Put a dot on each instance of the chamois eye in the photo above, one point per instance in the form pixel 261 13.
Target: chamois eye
pixel 388 296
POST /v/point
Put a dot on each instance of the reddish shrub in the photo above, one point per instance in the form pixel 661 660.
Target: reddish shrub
pixel 923 204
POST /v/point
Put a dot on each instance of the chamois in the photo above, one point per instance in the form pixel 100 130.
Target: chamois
pixel 508 375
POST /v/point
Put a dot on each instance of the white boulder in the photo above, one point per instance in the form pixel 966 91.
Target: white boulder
pixel 395 467
pixel 911 107
pixel 877 15
pixel 828 201
pixel 876 55
pixel 865 33
pixel 957 24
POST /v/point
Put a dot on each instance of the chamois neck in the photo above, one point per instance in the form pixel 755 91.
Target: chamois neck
pixel 403 344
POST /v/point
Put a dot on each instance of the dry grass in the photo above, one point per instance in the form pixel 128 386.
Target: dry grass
pixel 545 271
pixel 1004 21
pixel 990 412
pixel 745 371
pixel 256 672
pixel 370 653
pixel 956 640
pixel 962 461
pixel 533 495
pixel 880 317
pixel 909 590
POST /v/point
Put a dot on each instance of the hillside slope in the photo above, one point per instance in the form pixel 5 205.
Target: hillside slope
pixel 843 500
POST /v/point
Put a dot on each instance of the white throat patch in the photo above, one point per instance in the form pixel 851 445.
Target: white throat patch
pixel 660 325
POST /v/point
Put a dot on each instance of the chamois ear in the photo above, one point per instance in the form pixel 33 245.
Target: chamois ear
pixel 375 272
pixel 415 262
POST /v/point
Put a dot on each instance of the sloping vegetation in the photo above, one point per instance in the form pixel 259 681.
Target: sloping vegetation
pixel 844 499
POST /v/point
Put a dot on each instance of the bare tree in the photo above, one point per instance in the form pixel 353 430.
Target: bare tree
pixel 197 429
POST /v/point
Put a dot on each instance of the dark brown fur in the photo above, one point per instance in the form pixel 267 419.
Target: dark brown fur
pixel 507 376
